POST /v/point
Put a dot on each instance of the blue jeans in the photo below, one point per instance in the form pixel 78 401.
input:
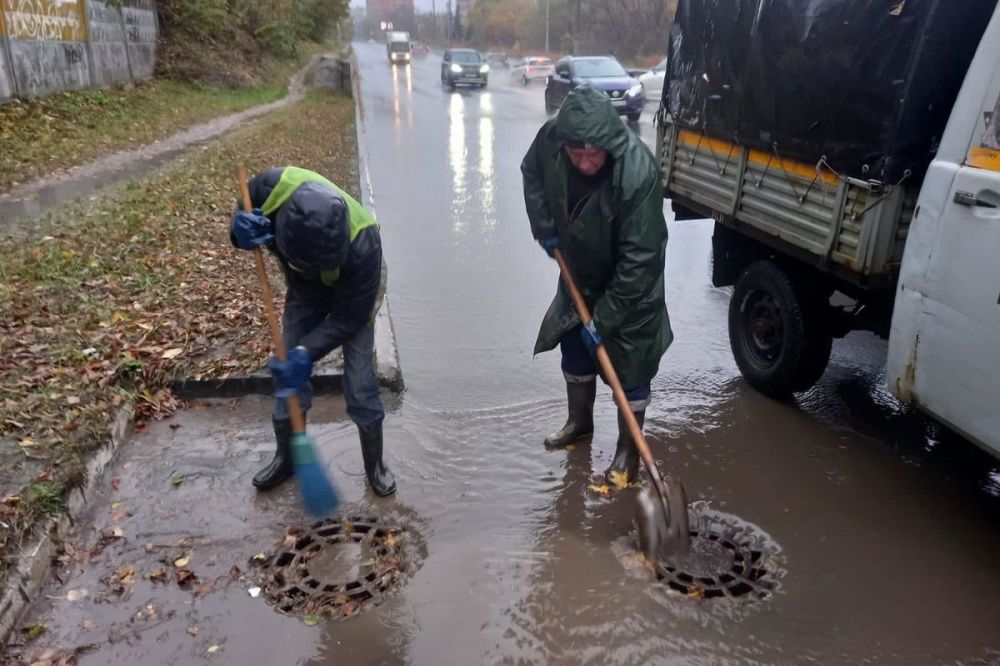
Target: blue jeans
pixel 579 366
pixel 360 385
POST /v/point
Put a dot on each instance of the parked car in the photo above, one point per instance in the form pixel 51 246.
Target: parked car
pixel 464 67
pixel 497 59
pixel 652 81
pixel 602 72
pixel 531 69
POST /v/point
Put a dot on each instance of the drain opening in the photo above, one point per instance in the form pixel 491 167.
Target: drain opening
pixel 729 559
pixel 337 567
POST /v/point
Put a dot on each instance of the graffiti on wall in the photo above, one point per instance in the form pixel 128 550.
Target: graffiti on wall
pixel 61 20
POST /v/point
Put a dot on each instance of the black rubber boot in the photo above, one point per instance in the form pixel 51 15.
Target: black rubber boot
pixel 580 423
pixel 280 468
pixel 626 460
pixel 380 479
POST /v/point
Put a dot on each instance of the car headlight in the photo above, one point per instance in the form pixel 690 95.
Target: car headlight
pixel 635 90
pixel 484 69
pixel 406 56
pixel 457 69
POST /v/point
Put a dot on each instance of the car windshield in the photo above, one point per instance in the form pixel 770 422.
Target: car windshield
pixel 465 57
pixel 399 47
pixel 598 67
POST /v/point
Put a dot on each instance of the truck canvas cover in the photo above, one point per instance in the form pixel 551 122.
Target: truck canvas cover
pixel 867 84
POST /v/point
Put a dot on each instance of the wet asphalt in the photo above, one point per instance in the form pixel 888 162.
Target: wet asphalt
pixel 880 527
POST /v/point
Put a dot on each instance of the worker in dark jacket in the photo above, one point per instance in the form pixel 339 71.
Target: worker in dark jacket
pixel 330 251
pixel 592 189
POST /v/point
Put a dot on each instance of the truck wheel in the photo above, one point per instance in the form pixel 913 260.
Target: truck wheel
pixel 777 332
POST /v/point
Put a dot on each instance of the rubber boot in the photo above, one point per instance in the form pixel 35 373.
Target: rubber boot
pixel 580 423
pixel 626 460
pixel 280 468
pixel 380 479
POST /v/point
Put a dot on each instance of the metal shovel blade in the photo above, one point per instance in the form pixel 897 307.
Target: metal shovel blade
pixel 662 518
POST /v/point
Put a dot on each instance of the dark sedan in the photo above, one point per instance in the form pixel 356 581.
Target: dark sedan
pixel 603 73
pixel 464 67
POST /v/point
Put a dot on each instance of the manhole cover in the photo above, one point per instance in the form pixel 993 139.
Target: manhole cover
pixel 338 566
pixel 729 558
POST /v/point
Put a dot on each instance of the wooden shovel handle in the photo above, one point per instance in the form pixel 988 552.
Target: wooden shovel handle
pixel 294 407
pixel 610 375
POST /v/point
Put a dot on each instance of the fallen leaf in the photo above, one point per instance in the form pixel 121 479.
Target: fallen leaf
pixel 193 629
pixel 391 539
pixel 182 561
pixel 619 479
pixel 312 620
pixel 115 483
pixel 126 574
pixel 33 632
pixel 259 558
pixel 602 489
pixel 570 447
pixel 177 479
pixel 172 353
pixel 87 625
pixel 185 577
pixel 115 506
pixel 73 400
pixel 212 649
pixel 158 576
pixel 76 595
pixel 695 593
pixel 203 588
pixel 235 571
pixel 118 533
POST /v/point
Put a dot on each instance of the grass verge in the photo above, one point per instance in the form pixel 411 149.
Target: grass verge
pixel 120 295
pixel 38 137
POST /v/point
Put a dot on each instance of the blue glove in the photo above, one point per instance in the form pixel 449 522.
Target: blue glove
pixel 591 338
pixel 550 245
pixel 293 373
pixel 251 230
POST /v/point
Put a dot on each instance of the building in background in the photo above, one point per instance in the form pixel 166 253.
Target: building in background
pixel 397 12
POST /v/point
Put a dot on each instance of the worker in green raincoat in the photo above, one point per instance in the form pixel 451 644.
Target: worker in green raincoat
pixel 593 190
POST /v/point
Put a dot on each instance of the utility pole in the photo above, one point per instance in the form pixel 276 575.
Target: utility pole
pixel 447 27
pixel 547 27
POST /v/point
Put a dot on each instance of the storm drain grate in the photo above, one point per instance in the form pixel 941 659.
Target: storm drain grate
pixel 729 559
pixel 337 567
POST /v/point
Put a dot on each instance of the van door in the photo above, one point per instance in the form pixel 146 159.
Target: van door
pixel 945 342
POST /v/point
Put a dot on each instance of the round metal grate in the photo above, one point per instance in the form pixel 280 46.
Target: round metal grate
pixel 337 567
pixel 729 559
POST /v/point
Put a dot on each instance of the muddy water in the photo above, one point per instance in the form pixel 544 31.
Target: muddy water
pixel 886 524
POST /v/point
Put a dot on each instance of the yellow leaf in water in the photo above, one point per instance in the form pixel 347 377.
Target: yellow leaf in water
pixel 570 447
pixel 193 629
pixel 182 561
pixel 76 595
pixel 177 479
pixel 32 633
pixel 602 489
pixel 213 649
pixel 695 593
pixel 312 620
pixel 619 479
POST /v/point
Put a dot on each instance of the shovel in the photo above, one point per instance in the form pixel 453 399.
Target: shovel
pixel 662 512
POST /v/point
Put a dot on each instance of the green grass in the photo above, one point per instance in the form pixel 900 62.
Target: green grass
pixel 38 137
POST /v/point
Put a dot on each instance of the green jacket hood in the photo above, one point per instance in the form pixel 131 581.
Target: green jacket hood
pixel 587 115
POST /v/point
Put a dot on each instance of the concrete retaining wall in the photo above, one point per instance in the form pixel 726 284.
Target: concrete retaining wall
pixel 50 46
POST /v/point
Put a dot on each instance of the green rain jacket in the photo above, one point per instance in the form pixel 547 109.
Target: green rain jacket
pixel 614 241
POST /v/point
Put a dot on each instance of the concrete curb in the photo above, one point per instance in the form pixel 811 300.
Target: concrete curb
pixel 32 571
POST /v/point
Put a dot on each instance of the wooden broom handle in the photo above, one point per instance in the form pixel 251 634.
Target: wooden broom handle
pixel 294 407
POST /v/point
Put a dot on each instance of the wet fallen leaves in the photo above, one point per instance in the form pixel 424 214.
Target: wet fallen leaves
pixel 106 303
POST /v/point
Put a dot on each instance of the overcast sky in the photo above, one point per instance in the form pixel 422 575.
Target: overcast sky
pixel 421 5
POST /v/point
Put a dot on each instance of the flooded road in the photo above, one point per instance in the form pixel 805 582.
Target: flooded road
pixel 884 526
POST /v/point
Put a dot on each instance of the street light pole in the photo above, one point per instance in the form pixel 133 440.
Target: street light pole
pixel 434 20
pixel 546 27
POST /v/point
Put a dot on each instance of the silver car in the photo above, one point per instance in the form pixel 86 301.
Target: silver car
pixel 531 69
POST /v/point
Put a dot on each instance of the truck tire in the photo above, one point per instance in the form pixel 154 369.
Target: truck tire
pixel 777 332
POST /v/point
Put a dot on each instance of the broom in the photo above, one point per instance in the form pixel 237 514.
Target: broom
pixel 318 494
